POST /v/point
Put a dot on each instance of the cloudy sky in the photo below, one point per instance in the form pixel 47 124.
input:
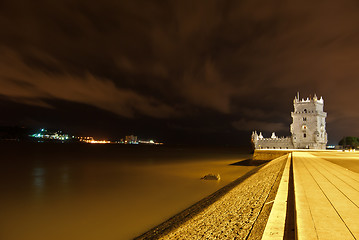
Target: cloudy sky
pixel 196 71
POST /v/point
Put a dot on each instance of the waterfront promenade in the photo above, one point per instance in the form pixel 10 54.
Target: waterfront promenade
pixel 326 198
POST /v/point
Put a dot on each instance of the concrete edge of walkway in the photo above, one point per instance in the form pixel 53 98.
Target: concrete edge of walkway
pixel 275 226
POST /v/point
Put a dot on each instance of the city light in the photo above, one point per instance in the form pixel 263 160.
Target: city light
pixel 100 141
pixel 45 135
pixel 92 140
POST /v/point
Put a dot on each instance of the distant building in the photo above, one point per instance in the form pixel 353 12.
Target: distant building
pixel 131 139
pixel 308 128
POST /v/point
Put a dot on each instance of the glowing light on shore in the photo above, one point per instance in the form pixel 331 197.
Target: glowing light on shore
pixel 92 140
pixel 48 135
pixel 99 141
pixel 151 142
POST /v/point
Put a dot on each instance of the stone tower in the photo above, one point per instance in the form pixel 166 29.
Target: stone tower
pixel 308 127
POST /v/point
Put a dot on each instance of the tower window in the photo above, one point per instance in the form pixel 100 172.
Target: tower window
pixel 305 135
pixel 304 119
pixel 305 110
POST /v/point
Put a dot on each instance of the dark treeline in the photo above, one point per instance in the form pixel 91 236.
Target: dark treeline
pixel 349 142
pixel 14 133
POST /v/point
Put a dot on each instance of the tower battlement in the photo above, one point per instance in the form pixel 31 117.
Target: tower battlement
pixel 308 99
pixel 307 129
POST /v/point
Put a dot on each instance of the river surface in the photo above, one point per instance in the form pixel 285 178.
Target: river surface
pixel 80 191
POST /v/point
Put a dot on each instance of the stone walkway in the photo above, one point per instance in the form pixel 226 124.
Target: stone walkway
pixel 326 198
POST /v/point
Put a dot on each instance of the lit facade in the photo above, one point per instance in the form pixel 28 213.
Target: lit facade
pixel 308 130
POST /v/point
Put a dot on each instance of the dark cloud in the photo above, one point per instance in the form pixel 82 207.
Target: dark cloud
pixel 245 125
pixel 29 86
pixel 173 59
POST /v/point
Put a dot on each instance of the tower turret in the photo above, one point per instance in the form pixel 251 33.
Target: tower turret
pixel 308 127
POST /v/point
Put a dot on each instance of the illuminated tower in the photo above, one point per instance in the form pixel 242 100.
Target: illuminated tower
pixel 308 127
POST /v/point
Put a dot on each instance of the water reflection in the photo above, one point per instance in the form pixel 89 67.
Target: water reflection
pixel 65 175
pixel 38 174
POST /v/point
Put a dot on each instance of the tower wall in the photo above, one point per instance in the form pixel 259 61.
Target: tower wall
pixel 276 143
pixel 308 128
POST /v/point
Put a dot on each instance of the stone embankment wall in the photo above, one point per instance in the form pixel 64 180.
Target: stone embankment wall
pixel 274 143
pixel 268 154
pixel 240 213
pixel 233 216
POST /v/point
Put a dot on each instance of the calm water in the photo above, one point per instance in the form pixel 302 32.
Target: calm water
pixel 61 191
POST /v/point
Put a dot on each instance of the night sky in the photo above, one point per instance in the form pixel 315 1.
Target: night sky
pixel 178 71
